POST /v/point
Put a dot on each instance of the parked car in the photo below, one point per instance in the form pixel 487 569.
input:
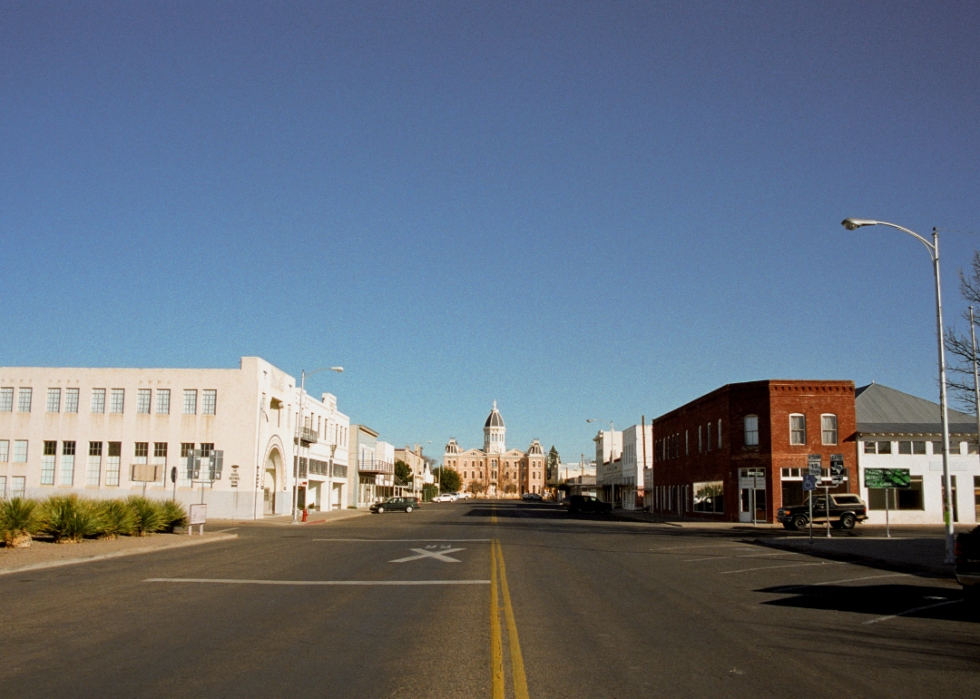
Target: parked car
pixel 846 510
pixel 588 504
pixel 534 497
pixel 444 497
pixel 968 564
pixel 396 504
pixel 465 496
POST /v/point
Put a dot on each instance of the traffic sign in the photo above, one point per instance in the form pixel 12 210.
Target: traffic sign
pixel 809 482
pixel 837 469
pixel 814 466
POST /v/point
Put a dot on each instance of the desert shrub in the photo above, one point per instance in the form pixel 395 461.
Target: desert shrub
pixel 149 515
pixel 18 520
pixel 174 515
pixel 68 518
pixel 117 518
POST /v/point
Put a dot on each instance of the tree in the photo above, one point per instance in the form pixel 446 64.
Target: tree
pixel 449 480
pixel 959 378
pixel 403 472
pixel 476 487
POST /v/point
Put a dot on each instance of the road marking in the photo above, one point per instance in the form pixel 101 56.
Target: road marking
pixel 439 555
pixel 913 611
pixel 518 677
pixel 795 565
pixel 840 582
pixel 315 583
pixel 403 541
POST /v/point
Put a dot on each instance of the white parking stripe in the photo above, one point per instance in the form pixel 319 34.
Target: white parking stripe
pixel 230 581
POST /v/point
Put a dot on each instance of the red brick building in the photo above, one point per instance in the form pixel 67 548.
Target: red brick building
pixel 740 452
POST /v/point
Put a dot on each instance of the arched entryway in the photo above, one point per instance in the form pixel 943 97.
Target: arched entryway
pixel 271 480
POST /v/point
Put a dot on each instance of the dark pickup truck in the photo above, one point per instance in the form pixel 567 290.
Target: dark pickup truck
pixel 968 564
pixel 846 510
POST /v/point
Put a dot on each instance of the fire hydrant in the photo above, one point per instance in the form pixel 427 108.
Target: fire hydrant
pixel 304 514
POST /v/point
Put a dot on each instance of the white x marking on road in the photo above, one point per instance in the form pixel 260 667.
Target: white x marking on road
pixel 438 555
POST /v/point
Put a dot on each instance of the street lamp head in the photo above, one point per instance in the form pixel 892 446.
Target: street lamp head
pixel 589 420
pixel 338 369
pixel 852 223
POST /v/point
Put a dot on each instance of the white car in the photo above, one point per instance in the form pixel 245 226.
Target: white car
pixel 445 497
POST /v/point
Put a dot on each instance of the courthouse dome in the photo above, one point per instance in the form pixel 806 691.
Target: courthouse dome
pixel 494 419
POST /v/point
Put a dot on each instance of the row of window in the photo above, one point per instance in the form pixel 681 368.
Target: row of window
pixel 534 475
pixel 916 446
pixel 670 447
pixel 116 400
pixel 103 463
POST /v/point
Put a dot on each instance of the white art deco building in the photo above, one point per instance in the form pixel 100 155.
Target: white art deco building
pixel 111 433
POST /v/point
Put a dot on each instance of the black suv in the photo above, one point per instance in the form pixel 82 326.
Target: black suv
pixel 588 503
pixel 846 510
pixel 405 504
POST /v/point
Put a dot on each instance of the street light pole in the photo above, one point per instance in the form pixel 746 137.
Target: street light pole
pixel 612 449
pixel 933 248
pixel 299 434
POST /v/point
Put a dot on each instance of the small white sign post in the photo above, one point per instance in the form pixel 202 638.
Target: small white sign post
pixel 198 516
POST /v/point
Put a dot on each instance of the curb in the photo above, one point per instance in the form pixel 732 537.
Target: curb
pixel 117 554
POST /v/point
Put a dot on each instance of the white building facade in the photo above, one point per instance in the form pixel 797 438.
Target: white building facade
pixel 622 457
pixel 116 432
pixel 899 431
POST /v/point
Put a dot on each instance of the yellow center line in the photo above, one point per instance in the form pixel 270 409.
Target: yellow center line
pixel 498 570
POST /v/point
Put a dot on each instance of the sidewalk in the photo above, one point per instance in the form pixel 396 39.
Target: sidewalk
pixel 312 517
pixel 912 548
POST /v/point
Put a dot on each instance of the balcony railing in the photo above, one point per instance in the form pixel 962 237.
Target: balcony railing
pixel 373 466
pixel 305 436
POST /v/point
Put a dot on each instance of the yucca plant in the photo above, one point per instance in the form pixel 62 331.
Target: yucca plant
pixel 116 518
pixel 149 515
pixel 18 520
pixel 68 518
pixel 173 515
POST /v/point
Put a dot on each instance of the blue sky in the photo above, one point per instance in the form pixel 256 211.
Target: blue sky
pixel 577 209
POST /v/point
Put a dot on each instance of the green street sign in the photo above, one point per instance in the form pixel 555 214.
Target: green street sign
pixel 887 478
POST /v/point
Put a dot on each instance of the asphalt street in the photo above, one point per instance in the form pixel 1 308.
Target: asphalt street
pixel 483 599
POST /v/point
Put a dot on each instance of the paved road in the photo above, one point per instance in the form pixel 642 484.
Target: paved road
pixel 482 599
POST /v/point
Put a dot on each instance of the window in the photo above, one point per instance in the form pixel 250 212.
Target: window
pixel 700 449
pixel 6 400
pixel 94 468
pixel 98 400
pixel 4 450
pixel 797 429
pixel 144 398
pixel 917 446
pixel 20 451
pixel 18 486
pixel 751 430
pixel 47 462
pixel 707 428
pixel 71 400
pixel 54 400
pixel 709 497
pixel 141 453
pixel 209 402
pixel 24 396
pixel 67 476
pixel 3 487
pixel 117 400
pixel 163 401
pixel 719 434
pixel 190 401
pixel 954 447
pixel 187 463
pixel 112 464
pixel 828 428
pixel 898 498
